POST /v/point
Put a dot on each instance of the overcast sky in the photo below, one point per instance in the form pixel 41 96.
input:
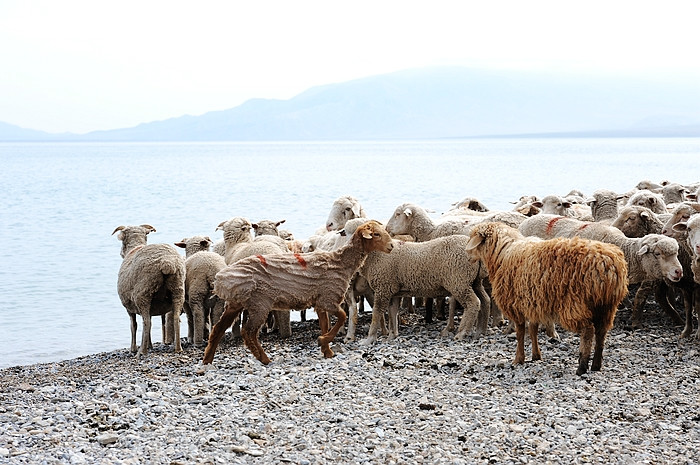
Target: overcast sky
pixel 79 66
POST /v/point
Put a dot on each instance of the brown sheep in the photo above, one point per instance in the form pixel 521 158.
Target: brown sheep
pixel 529 283
pixel 320 279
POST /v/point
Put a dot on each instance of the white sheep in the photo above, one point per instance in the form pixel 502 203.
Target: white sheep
pixel 267 227
pixel 637 221
pixel 151 282
pixel 528 282
pixel 202 307
pixel 649 199
pixel 343 209
pixel 604 205
pixel 556 205
pixel 436 268
pixel 259 284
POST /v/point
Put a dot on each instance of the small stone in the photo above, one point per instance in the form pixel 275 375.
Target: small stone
pixel 108 438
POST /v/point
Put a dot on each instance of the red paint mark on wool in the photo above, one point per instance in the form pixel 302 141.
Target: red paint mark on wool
pixel 300 259
pixel 583 227
pixel 551 224
pixel 262 260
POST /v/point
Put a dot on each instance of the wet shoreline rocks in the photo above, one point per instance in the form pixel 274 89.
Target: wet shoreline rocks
pixel 421 398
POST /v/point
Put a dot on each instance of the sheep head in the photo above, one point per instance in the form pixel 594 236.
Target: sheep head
pixel 691 229
pixel 659 257
pixel 488 238
pixel 133 236
pixel 343 209
pixel 195 244
pixel 373 237
pixel 400 222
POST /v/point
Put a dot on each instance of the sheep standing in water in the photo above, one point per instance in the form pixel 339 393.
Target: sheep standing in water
pixel 320 279
pixel 577 283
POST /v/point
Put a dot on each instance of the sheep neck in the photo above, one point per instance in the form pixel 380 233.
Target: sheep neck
pixel 423 226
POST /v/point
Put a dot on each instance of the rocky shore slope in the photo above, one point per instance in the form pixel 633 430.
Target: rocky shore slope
pixel 418 399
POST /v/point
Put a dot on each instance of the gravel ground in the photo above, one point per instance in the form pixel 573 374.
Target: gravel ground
pixel 421 398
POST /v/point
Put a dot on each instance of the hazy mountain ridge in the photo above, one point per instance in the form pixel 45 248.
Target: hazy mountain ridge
pixel 437 103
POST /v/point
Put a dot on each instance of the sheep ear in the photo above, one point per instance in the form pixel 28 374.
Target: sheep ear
pixel 367 232
pixel 644 215
pixel 537 204
pixel 474 242
pixel 204 243
pixel 356 210
pixel 221 226
pixel 280 222
pixel 408 212
pixel 149 227
pixel 643 249
pixel 342 232
pixel 566 204
pixel 181 244
pixel 255 226
pixel 119 228
pixel 680 227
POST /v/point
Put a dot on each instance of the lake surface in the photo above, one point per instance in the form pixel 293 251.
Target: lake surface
pixel 61 202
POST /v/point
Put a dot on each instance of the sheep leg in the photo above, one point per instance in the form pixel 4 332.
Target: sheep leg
pixel 520 347
pixel 394 307
pixel 325 339
pixel 473 309
pixel 352 314
pixel 231 313
pixel 452 306
pixel 661 294
pixel 145 334
pixel 688 304
pixel 600 333
pixel 257 316
pixel 283 323
pixel 195 323
pixel 134 327
pixel 533 328
pixel 428 310
pixel 381 303
pixel 482 321
pixel 640 297
pixel 585 349
pixel 190 322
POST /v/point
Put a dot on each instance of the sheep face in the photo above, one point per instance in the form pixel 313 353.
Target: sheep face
pixel 470 203
pixel 659 256
pixel 236 229
pixel 653 202
pixel 267 227
pixel 636 221
pixel 374 237
pixel 133 236
pixel 487 239
pixel 554 205
pixel 691 229
pixel 680 214
pixel 343 209
pixel 400 222
pixel 195 244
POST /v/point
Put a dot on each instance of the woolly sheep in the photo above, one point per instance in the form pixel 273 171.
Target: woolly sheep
pixel 603 204
pixel 343 209
pixel 685 232
pixel 202 307
pixel 556 205
pixel 673 193
pixel 435 268
pixel 151 282
pixel 409 218
pixel 267 227
pixel 637 221
pixel 283 281
pixel 651 257
pixel 526 279
pixel 652 201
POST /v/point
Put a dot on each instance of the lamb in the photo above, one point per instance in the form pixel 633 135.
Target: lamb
pixel 283 281
pixel 343 209
pixel 525 275
pixel 151 282
pixel 202 307
pixel 435 268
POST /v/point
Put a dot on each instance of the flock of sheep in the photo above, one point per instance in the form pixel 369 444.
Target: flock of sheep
pixel 565 260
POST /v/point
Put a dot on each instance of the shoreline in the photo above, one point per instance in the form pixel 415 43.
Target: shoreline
pixel 419 399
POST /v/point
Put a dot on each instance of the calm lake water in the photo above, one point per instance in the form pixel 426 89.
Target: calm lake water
pixel 61 202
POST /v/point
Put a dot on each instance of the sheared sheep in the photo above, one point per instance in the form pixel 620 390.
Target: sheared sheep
pixel 283 281
pixel 202 307
pixel 526 278
pixel 151 282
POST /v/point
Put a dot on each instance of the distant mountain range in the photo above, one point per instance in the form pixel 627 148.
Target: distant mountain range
pixel 444 102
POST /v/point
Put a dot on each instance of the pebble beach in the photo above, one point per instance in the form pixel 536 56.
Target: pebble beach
pixel 421 398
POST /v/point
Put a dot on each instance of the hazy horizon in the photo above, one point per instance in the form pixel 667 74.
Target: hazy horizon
pixel 80 66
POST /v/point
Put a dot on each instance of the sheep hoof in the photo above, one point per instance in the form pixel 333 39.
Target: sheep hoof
pixel 368 341
pixel 349 338
pixel 446 332
pixel 203 368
